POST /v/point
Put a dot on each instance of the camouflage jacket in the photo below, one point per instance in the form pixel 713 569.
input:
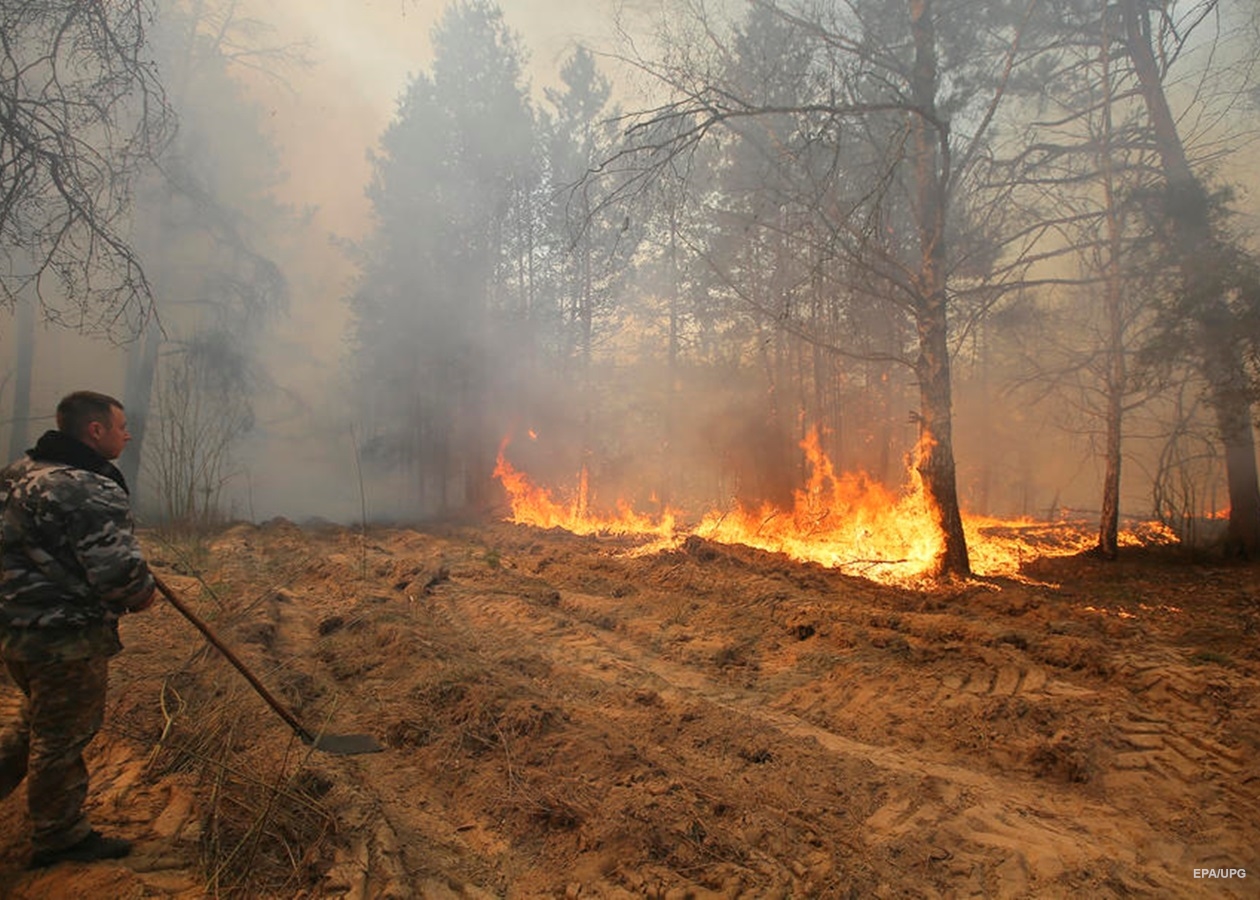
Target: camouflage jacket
pixel 70 563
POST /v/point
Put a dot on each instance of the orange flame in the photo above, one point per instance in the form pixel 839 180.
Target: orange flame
pixel 535 506
pixel 840 520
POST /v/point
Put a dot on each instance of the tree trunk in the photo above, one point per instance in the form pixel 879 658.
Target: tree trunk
pixel 138 399
pixel 1230 397
pixel 1201 270
pixel 1109 522
pixel 1117 371
pixel 673 353
pixel 20 431
pixel 936 443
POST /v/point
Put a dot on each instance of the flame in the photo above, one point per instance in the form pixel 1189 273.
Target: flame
pixel 846 521
pixel 532 505
pixel 843 521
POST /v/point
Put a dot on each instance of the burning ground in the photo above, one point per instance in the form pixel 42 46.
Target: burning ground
pixel 564 716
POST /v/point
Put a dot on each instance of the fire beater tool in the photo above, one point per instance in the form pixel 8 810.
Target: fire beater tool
pixel 336 744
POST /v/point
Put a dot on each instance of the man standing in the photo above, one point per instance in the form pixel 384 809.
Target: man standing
pixel 70 565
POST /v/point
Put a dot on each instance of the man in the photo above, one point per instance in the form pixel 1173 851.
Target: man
pixel 70 565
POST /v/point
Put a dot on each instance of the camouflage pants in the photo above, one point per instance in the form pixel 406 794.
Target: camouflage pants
pixel 61 710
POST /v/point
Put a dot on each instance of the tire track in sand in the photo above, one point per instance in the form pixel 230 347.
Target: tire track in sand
pixel 1002 833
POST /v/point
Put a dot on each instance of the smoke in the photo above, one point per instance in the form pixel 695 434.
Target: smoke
pixel 325 119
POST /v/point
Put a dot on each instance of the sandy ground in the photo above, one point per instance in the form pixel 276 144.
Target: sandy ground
pixel 563 718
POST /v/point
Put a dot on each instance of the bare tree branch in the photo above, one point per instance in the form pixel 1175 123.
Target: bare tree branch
pixel 82 113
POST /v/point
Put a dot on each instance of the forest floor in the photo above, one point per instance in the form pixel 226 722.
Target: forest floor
pixel 564 718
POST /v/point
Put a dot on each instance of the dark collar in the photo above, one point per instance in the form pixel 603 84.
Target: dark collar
pixel 59 447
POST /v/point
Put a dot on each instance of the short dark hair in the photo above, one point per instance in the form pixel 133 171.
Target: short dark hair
pixel 77 410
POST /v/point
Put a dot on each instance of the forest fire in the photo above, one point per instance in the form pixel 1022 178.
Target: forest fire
pixel 841 520
pixel 533 505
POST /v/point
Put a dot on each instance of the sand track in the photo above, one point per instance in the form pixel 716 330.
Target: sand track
pixel 565 718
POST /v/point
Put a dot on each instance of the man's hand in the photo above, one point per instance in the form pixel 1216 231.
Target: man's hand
pixel 145 603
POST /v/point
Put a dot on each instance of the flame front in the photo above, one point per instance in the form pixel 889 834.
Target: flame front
pixel 532 505
pixel 846 521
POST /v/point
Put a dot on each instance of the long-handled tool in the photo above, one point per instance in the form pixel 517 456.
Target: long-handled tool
pixel 337 744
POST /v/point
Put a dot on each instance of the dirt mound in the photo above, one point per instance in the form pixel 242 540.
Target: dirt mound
pixel 563 717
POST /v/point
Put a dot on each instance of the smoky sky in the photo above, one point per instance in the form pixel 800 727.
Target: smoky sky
pixel 328 115
pixel 325 118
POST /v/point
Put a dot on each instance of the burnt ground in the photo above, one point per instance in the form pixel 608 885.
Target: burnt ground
pixel 563 718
